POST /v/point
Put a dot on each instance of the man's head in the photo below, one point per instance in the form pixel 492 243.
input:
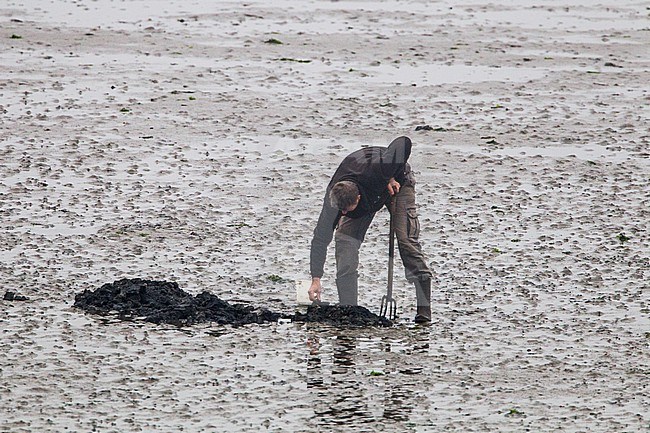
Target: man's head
pixel 344 196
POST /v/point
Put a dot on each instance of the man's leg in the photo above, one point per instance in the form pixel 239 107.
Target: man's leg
pixel 349 236
pixel 407 230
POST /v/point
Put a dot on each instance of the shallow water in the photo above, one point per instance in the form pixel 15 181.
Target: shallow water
pixel 311 377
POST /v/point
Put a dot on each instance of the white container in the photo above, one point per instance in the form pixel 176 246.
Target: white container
pixel 302 292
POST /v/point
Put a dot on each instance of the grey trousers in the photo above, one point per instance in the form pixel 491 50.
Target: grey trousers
pixel 351 232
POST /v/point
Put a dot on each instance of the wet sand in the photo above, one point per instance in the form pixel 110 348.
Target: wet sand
pixel 192 141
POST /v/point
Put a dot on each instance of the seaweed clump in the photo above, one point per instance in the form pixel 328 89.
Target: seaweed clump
pixel 166 302
pixel 341 315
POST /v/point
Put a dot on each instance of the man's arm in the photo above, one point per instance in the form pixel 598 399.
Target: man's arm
pixel 323 234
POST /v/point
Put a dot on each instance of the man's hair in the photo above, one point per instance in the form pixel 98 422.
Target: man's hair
pixel 344 194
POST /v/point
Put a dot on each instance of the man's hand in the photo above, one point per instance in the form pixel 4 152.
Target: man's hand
pixel 393 186
pixel 315 290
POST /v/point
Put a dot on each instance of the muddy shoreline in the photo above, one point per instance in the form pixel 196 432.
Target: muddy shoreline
pixel 191 143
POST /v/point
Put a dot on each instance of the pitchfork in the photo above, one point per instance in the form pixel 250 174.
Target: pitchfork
pixel 388 307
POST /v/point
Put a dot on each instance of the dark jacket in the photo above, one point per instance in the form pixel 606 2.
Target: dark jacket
pixel 370 169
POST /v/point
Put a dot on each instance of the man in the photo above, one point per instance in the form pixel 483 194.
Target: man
pixel 366 181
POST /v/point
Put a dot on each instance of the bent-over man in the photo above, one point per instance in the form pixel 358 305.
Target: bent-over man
pixel 363 184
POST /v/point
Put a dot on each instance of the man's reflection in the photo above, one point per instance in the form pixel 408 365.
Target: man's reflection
pixel 347 393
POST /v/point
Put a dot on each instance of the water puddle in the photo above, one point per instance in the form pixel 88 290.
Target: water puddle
pixel 587 153
pixel 433 75
pixel 581 18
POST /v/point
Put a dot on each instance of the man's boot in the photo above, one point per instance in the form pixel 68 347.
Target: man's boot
pixel 348 289
pixel 423 296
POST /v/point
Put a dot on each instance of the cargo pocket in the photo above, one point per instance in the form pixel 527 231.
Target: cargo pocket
pixel 413 224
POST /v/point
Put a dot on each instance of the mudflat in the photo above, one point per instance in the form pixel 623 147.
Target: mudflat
pixel 191 142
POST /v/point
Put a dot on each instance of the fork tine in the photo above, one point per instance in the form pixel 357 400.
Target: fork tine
pixel 388 308
pixel 393 310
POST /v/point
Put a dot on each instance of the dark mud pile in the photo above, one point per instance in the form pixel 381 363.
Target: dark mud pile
pixel 166 302
pixel 341 315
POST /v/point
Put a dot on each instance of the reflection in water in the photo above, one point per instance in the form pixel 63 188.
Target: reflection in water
pixel 314 378
pixel 342 401
pixel 397 407
pixel 355 380
pixel 344 348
